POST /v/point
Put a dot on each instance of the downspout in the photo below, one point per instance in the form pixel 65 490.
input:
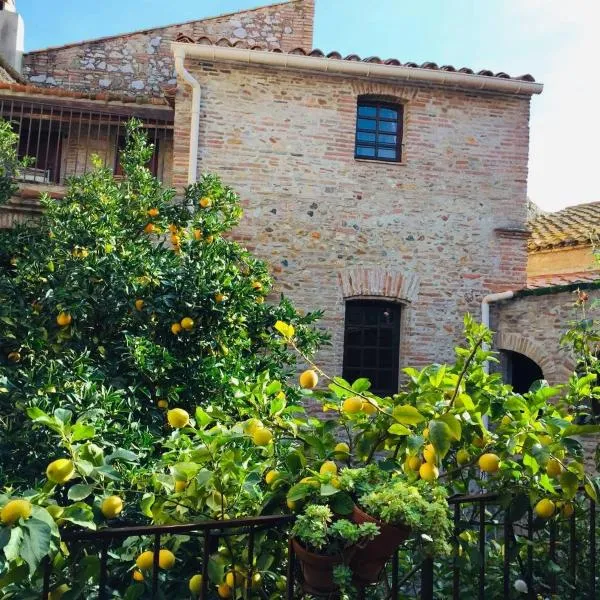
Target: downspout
pixel 485 314
pixel 180 53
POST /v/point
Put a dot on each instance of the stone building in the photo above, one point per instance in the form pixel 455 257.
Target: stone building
pixel 391 194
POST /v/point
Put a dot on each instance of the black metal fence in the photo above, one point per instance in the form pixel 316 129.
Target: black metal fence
pixel 61 139
pixel 496 544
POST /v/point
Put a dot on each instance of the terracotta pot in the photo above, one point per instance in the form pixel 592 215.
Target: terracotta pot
pixel 370 559
pixel 317 569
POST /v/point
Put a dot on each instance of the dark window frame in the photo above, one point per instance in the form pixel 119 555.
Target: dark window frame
pixel 379 359
pixel 379 105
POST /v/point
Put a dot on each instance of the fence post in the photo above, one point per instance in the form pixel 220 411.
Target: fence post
pixel 427 579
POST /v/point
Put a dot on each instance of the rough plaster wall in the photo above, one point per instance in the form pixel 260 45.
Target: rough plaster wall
pixel 285 141
pixel 142 63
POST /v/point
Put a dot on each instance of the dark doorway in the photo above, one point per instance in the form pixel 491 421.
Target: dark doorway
pixel 372 344
pixel 520 371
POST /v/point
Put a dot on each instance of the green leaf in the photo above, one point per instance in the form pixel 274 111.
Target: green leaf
pixel 81 432
pixel 11 548
pixel 80 514
pixel 216 569
pixel 466 401
pixel 63 415
pixel 407 415
pixel 328 490
pixel 202 417
pixel 361 385
pixel 580 430
pixel 546 483
pixel 591 491
pixel 79 492
pixel 295 461
pixel 146 504
pixel 342 504
pixel 397 429
pixel 454 426
pixel 122 454
pixel 341 388
pixel 273 388
pixel 185 470
pixel 36 542
pixel 134 592
pixel 569 482
pixel 299 491
pixel 440 436
pixel 276 406
pixel 531 462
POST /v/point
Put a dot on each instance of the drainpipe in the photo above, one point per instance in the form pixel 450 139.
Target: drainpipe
pixel 180 53
pixel 485 313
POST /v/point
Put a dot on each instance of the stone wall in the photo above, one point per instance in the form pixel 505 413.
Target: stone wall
pixel 141 63
pixel 422 232
pixel 5 76
pixel 533 325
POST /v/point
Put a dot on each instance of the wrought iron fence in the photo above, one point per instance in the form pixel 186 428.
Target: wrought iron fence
pixel 495 544
pixel 62 139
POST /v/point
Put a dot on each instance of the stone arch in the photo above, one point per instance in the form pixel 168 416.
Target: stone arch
pixel 379 282
pixel 556 367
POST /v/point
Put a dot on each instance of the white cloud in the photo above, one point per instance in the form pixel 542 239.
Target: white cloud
pixel 565 125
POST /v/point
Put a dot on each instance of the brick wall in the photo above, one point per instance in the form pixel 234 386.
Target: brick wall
pixel 5 75
pixel 421 233
pixel 142 62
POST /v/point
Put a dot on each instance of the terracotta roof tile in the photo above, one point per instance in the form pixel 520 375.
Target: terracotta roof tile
pixel 573 226
pixel 98 96
pixel 355 57
pixel 544 281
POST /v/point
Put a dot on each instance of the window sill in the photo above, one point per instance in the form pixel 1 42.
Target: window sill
pixel 391 163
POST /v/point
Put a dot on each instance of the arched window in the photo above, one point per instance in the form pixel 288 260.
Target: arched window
pixel 378 130
pixel 372 344
pixel 520 371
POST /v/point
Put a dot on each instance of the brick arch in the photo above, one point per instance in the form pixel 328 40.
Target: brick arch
pixel 555 367
pixel 378 282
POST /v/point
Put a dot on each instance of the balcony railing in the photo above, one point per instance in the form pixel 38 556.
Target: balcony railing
pixel 62 139
pixel 496 543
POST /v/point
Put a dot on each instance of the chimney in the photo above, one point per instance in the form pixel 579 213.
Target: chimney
pixel 12 35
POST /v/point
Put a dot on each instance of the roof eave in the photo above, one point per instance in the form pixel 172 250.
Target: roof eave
pixel 356 68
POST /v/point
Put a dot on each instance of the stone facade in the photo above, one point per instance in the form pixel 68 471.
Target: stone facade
pixel 141 63
pixel 421 232
pixel 4 74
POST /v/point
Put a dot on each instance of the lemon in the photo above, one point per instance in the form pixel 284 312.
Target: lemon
pixel 429 454
pixel 567 510
pixel 328 467
pixel 429 472
pixel 234 579
pixel 545 439
pixel 14 357
pixel 506 420
pixel 111 506
pixel 271 476
pixel 206 202
pixel 545 508
pixel 426 433
pixel 352 405
pixel 63 319
pixel 368 408
pixel 58 592
pixel 178 418
pixel 61 470
pixel 224 591
pixel 309 379
pixel 166 559
pixel 137 575
pixel 187 323
pixel 176 329
pixel 15 510
pixel 145 560
pixel 341 450
pixel 262 436
pixel 162 404
pixel 292 504
pixel 489 463
pixel 462 457
pixel 139 304
pixel 414 463
pixel 257 285
pixel 180 486
pixel 195 584
pixel 554 468
pixel 256 581
pixel 252 425
pixel 197 235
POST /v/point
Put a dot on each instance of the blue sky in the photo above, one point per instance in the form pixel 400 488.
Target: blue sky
pixel 554 40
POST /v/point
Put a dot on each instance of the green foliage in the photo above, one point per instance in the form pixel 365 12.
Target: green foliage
pixel 10 164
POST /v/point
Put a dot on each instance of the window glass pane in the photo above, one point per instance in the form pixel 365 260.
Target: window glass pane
pixel 367 111
pixel 386 139
pixel 353 357
pixel 385 381
pixel 386 153
pixel 362 136
pixel 386 359
pixel 385 337
pixel 354 337
pixel 365 151
pixel 388 113
pixel 370 337
pixel 369 124
pixel 391 126
pixel 354 315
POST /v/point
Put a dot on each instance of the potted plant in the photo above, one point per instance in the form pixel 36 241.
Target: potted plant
pixel 400 508
pixel 322 543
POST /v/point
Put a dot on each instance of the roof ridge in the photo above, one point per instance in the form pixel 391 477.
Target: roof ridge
pixel 148 29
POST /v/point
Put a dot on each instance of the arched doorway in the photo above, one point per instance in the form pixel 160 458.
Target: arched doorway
pixel 519 370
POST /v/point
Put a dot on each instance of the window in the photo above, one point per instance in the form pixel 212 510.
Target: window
pixel 378 131
pixel 372 344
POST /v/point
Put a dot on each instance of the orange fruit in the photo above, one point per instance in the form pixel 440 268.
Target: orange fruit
pixel 187 323
pixel 205 202
pixel 219 297
pixel 139 304
pixel 153 212
pixel 137 575
pixel 197 235
pixel 176 329
pixel 63 319
pixel 150 228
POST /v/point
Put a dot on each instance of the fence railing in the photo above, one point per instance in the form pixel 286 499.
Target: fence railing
pixel 495 544
pixel 61 140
